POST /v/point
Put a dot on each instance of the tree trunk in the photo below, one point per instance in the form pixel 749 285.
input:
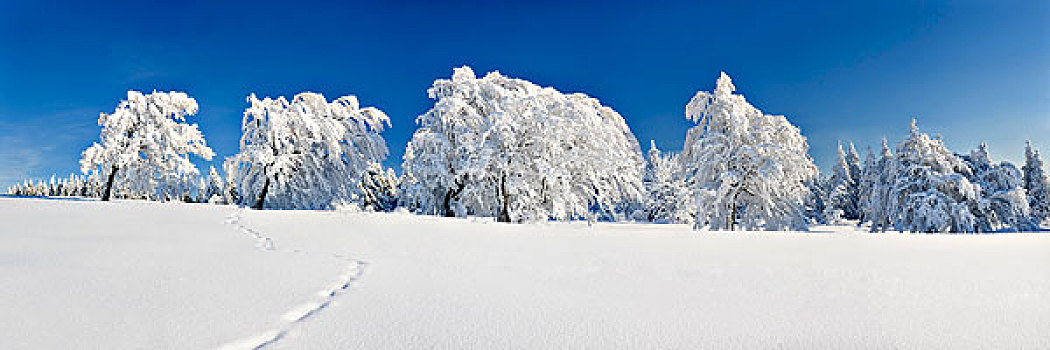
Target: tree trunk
pixel 109 184
pixel 732 216
pixel 446 206
pixel 262 196
pixel 449 196
pixel 504 212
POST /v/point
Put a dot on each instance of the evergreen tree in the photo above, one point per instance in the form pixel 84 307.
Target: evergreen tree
pixel 843 190
pixel 378 188
pixel 669 200
pixel 213 187
pixel 924 188
pixel 1036 184
pixel 1003 203
pixel 816 208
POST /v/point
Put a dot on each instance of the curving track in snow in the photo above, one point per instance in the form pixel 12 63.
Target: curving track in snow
pixel 354 270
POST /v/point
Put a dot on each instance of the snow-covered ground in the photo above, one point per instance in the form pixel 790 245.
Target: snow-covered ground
pixel 85 274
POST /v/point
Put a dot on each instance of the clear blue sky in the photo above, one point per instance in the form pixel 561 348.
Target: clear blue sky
pixel 971 71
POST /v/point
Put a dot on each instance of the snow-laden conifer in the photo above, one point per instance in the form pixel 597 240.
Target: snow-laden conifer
pixel 1036 184
pixel 305 153
pixel 856 170
pixel 213 187
pixel 669 199
pixel 74 186
pixel 145 144
pixel 507 148
pixel 925 188
pixel 378 188
pixel 1003 203
pixel 856 166
pixel 842 189
pixel 747 168
pixel 874 187
pixel 816 208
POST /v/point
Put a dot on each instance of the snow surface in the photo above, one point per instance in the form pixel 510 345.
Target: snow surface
pixel 85 274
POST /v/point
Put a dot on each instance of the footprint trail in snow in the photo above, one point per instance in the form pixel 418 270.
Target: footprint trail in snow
pixel 355 268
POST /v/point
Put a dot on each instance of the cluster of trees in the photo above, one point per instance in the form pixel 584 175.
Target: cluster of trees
pixel 91 186
pixel 72 186
pixel 507 148
pixel 921 186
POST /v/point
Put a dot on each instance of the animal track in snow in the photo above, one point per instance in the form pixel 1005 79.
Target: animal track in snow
pixel 261 241
pixel 355 268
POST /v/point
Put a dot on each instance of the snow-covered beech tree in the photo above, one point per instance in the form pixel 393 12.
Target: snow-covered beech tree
pixel 305 153
pixel 1003 203
pixel 144 146
pixel 925 188
pixel 507 148
pixel 1036 184
pixel 669 200
pixel 747 168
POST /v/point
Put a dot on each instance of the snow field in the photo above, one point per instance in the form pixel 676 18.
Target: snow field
pixel 93 275
pixel 470 283
pixel 137 274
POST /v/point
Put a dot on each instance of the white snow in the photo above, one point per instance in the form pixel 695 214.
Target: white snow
pixel 127 274
pixel 124 275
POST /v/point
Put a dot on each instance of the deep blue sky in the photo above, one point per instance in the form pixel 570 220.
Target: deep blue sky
pixel 971 71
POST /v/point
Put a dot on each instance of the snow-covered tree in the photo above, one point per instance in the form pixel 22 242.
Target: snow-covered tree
pixel 746 167
pixel 669 199
pixel 815 204
pixel 856 167
pixel 874 186
pixel 856 171
pixel 230 193
pixel 73 185
pixel 843 191
pixel 1036 184
pixel 145 145
pixel 1002 203
pixel 305 153
pixel 925 188
pixel 507 148
pixel 378 187
pixel 213 187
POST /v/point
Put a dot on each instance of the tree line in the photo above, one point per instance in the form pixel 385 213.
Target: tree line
pixel 506 148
